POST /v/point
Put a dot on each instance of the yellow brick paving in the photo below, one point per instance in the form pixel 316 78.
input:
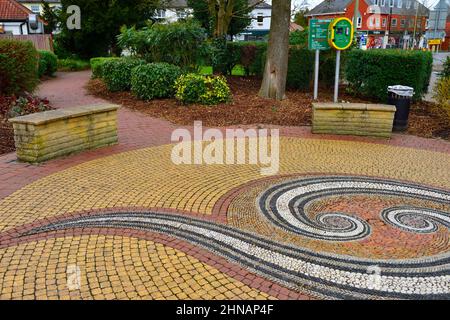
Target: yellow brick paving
pixel 112 267
pixel 124 268
pixel 148 178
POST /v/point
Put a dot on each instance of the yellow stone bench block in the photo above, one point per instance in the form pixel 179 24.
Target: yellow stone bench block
pixel 46 135
pixel 353 119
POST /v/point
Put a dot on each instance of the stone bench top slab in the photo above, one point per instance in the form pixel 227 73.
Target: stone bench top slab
pixel 354 106
pixel 61 114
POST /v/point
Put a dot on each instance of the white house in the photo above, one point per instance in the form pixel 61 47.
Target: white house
pixel 258 30
pixel 260 26
pixel 16 19
pixel 37 7
pixel 174 10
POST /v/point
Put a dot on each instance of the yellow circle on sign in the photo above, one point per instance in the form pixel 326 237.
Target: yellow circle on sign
pixel 340 34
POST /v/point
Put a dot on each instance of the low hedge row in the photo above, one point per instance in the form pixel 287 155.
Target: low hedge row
pixel 252 56
pixel 117 73
pixel 48 63
pixel 97 65
pixel 18 67
pixel 370 72
pixel 154 80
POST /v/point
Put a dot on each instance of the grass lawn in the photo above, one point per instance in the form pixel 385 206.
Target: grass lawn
pixel 237 71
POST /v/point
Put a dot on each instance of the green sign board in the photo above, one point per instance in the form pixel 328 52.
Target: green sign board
pixel 318 34
pixel 341 33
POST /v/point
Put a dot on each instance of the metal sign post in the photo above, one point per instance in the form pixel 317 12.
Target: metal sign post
pixel 318 40
pixel 316 75
pixel 340 37
pixel 336 78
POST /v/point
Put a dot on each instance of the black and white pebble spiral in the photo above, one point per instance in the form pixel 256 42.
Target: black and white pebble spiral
pixel 286 205
pixel 417 220
pixel 321 274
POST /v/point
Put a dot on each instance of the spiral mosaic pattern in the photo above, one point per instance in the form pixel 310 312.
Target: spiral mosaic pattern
pixel 324 275
pixel 286 206
pixel 416 220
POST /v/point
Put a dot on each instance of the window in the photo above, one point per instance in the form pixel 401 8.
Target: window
pixel 181 14
pixel 399 3
pixel 384 22
pixel 377 2
pixel 416 4
pixel 394 22
pixel 408 4
pixel 359 22
pixel 391 3
pixel 402 23
pixel 36 8
pixel 383 3
pixel 160 14
pixel 260 19
pixel 411 23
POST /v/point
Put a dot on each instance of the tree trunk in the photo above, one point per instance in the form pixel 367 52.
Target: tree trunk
pixel 275 72
pixel 221 12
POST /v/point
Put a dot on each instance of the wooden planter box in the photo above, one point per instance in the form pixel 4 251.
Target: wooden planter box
pixel 358 119
pixel 51 134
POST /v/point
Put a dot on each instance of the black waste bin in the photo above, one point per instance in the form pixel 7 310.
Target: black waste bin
pixel 400 97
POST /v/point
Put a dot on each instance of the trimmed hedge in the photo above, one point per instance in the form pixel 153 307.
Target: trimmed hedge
pixel 48 63
pixel 72 65
pixel 18 67
pixel 252 56
pixel 195 88
pixel 117 73
pixel 370 72
pixel 154 80
pixel 97 65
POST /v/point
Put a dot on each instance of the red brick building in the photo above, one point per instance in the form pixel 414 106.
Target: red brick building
pixel 393 21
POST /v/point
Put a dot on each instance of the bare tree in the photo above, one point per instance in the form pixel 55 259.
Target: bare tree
pixel 275 73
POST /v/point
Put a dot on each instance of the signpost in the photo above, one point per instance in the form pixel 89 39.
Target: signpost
pixel 340 37
pixel 325 34
pixel 318 40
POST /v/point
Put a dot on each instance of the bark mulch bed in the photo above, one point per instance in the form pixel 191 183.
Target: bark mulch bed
pixel 426 119
pixel 6 136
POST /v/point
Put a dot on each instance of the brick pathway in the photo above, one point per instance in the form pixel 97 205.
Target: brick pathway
pixel 128 223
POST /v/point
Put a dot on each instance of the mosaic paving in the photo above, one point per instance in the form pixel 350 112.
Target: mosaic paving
pixel 341 221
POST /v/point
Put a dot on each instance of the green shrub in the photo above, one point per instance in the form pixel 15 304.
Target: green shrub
pixel 48 63
pixel 299 38
pixel 154 80
pixel 370 72
pixel 18 67
pixel 300 68
pixel 72 65
pixel 42 67
pixel 97 65
pixel 117 73
pixel 224 56
pixel 195 88
pixel 446 72
pixel 180 43
pixel 442 93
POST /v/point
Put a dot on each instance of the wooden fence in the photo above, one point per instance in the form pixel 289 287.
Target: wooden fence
pixel 40 41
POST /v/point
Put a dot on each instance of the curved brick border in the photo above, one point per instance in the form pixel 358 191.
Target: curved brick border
pixel 13 237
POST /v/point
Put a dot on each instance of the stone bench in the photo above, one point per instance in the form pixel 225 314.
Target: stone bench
pixel 51 134
pixel 358 119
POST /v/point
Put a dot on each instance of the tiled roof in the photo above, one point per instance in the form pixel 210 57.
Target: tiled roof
pixel 12 10
pixel 337 6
